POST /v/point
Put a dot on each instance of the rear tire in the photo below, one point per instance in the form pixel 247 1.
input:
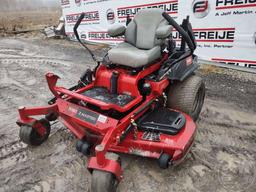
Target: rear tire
pixel 187 96
pixel 103 182
pixel 30 135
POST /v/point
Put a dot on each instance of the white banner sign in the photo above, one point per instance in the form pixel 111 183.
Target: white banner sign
pixel 225 30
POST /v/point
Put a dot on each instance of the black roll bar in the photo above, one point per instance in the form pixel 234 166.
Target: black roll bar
pixel 183 33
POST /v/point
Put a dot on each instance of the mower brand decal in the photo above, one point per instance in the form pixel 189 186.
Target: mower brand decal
pixel 102 119
pixel 87 116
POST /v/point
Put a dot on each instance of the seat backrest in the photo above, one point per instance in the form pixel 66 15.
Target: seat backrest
pixel 141 31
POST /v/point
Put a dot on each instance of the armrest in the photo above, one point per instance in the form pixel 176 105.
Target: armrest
pixel 163 31
pixel 116 30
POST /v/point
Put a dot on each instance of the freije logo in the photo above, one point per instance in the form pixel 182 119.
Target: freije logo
pixel 110 16
pixel 83 36
pixel 200 8
pixel 64 2
pixel 170 7
pixel 78 2
pixel 231 4
pixel 89 17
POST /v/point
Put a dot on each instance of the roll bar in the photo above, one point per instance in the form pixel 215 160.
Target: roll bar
pixel 81 17
pixel 183 33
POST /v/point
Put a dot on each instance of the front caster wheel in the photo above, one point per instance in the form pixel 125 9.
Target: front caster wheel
pixel 79 145
pixel 103 182
pixel 51 116
pixel 31 135
pixel 83 147
pixel 164 161
pixel 86 149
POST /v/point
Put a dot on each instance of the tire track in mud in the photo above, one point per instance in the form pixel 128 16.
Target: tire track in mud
pixel 20 55
pixel 30 67
pixel 36 68
pixel 221 129
pixel 10 97
pixel 12 153
pixel 9 51
pixel 65 171
pixel 41 60
pixel 225 137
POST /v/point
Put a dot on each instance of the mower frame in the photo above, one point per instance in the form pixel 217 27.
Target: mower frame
pixel 109 134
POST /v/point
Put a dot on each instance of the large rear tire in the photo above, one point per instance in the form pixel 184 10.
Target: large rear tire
pixel 187 96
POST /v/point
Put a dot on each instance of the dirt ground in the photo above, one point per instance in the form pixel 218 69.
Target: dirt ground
pixel 222 159
pixel 28 20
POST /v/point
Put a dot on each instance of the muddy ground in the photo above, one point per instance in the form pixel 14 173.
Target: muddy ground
pixel 14 21
pixel 222 159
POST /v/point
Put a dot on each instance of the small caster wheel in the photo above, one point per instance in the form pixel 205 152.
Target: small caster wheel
pixel 79 144
pixel 31 135
pixel 85 148
pixel 103 181
pixel 164 160
pixel 51 117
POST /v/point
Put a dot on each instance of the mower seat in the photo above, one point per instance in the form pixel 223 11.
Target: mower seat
pixel 144 36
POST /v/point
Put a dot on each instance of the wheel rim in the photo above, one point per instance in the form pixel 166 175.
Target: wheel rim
pixel 36 137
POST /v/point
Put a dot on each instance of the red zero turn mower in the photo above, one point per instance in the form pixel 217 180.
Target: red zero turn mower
pixel 142 99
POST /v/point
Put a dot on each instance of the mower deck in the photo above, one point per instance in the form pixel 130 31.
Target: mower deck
pixel 76 117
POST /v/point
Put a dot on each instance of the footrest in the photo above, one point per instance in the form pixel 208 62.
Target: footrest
pixel 162 120
pixel 102 94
